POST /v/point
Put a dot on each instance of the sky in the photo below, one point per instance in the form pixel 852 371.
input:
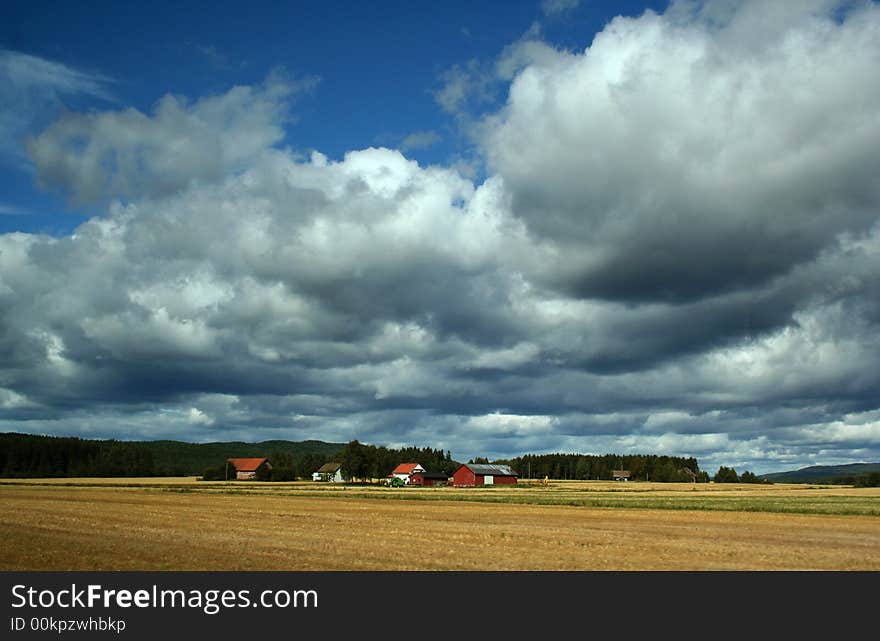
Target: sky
pixel 491 228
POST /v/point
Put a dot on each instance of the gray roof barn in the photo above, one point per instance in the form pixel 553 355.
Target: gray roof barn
pixel 491 470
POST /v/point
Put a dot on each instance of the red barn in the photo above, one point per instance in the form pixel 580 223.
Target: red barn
pixel 246 468
pixel 404 472
pixel 428 479
pixel 479 474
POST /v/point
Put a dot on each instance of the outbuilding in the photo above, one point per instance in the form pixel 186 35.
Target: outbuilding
pixel 246 468
pixel 428 479
pixel 404 471
pixel 329 472
pixel 470 474
pixel 621 475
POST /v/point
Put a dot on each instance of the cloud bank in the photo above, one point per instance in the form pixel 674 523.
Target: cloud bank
pixel 676 250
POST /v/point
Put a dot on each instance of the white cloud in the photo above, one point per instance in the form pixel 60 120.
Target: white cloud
pixel 26 72
pixel 506 425
pixel 556 7
pixel 677 251
pixel 12 400
pixel 419 140
pixel 127 154
pixel 464 86
pixel 665 145
pixel 31 89
pixel 12 210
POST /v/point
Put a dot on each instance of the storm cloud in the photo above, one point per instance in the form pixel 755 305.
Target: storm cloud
pixel 676 249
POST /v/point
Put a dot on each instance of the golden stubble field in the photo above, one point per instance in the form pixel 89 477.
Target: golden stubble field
pixel 177 524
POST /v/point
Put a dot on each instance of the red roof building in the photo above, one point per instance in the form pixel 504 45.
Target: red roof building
pixel 471 474
pixel 404 472
pixel 246 468
pixel 407 468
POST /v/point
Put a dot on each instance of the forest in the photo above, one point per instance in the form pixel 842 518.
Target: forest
pixel 642 467
pixel 28 456
pixel 31 456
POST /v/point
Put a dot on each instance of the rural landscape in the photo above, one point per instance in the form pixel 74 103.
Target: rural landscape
pixel 363 286
pixel 183 524
pixel 187 523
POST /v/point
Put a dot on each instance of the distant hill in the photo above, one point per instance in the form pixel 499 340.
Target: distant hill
pixel 28 455
pixel 177 458
pixel 822 473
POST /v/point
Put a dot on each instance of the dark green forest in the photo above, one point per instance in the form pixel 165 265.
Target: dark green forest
pixel 361 462
pixel 30 456
pixel 26 456
pixel 642 467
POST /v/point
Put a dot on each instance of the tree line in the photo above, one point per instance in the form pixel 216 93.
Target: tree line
pixel 866 479
pixel 642 467
pixel 36 456
pixel 729 475
pixel 28 456
pixel 31 456
pixel 361 462
pixel 285 467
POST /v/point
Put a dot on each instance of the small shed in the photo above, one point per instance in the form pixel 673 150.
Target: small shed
pixel 470 474
pixel 404 471
pixel 428 479
pixel 246 468
pixel 329 472
pixel 621 475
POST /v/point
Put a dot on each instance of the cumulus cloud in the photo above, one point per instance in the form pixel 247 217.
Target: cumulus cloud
pixel 665 163
pixel 677 250
pixel 126 154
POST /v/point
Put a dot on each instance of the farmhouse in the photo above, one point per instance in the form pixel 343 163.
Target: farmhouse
pixel 404 471
pixel 428 479
pixel 621 475
pixel 329 472
pixel 246 468
pixel 479 474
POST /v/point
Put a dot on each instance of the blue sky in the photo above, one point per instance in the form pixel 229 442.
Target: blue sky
pixel 373 69
pixel 493 228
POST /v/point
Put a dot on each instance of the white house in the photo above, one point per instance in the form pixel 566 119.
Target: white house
pixel 329 472
pixel 404 471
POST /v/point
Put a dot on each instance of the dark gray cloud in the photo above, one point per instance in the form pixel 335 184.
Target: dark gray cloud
pixel 677 250
pixel 669 163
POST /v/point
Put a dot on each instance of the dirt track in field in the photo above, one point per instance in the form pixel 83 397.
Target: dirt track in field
pixel 115 528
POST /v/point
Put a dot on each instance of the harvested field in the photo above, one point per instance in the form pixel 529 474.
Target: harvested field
pixel 782 498
pixel 182 525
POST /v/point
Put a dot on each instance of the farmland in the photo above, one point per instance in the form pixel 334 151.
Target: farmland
pixel 181 524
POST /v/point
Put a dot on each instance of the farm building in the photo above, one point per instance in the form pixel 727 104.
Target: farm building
pixel 621 475
pixel 480 474
pixel 428 479
pixel 404 471
pixel 246 468
pixel 329 472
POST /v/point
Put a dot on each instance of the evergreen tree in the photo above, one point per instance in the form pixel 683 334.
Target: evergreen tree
pixel 726 475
